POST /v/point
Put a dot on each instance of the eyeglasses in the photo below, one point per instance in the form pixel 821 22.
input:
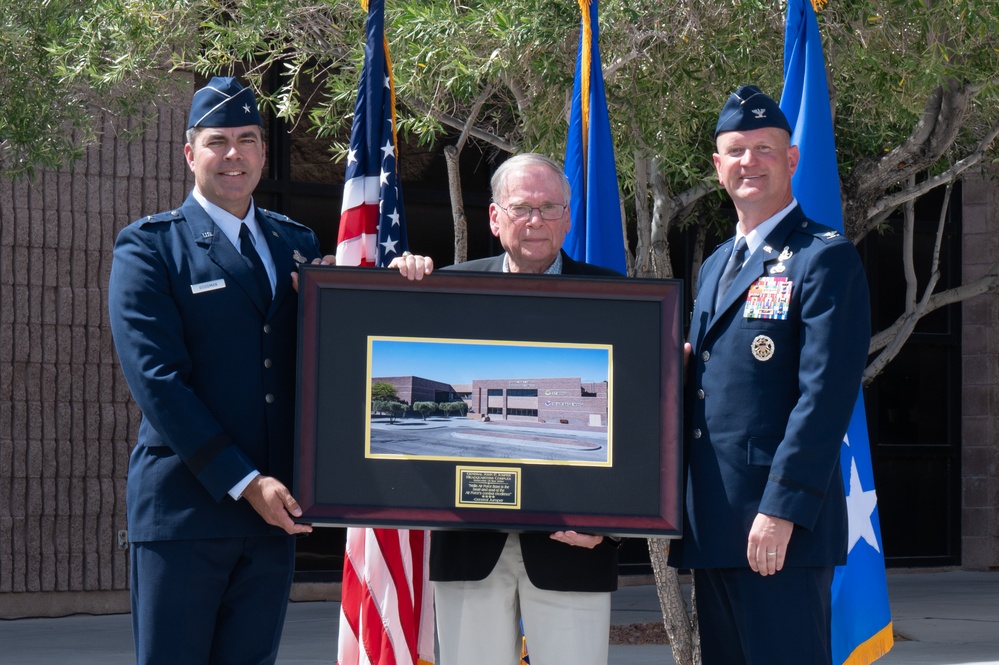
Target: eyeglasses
pixel 549 211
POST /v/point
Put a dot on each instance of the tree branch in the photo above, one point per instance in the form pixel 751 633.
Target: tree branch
pixel 984 284
pixel 451 121
pixel 611 70
pixel 684 200
pixel 914 311
pixel 950 175
pixel 473 114
pixel 519 94
pixel 936 131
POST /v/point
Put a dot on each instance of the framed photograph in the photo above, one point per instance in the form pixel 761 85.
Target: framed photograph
pixel 489 401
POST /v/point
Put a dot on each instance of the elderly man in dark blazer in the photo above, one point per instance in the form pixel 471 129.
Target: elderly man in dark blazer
pixel 778 343
pixel 204 316
pixel 484 581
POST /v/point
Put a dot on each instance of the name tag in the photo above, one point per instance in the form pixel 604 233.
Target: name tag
pixel 769 298
pixel 208 286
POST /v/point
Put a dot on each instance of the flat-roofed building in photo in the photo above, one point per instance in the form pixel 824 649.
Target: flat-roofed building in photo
pixel 550 400
pixel 412 389
pixel 566 401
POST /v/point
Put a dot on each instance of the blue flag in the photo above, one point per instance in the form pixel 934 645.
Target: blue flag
pixel 596 235
pixel 861 617
pixel 372 228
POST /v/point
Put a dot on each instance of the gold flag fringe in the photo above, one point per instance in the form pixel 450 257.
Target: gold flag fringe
pixel 585 65
pixel 873 648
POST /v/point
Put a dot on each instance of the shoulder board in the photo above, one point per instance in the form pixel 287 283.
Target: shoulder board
pixel 278 217
pixel 729 241
pixel 820 231
pixel 168 216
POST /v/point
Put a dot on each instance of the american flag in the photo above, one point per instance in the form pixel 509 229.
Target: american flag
pixel 386 605
pixel 372 223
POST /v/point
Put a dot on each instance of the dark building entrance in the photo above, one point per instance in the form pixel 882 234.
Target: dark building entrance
pixel 913 406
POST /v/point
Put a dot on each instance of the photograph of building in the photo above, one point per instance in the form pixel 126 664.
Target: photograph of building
pixel 530 419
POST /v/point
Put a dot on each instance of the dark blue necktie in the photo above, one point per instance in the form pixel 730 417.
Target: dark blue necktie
pixel 732 269
pixel 249 253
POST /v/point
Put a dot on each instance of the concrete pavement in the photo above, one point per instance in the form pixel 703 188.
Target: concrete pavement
pixel 942 617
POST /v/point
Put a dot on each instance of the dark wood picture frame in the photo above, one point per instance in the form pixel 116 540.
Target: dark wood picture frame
pixel 640 494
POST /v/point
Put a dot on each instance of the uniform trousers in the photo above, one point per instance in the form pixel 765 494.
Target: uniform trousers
pixel 745 618
pixel 211 601
pixel 478 622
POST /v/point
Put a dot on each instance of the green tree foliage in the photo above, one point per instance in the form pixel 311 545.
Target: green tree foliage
pixel 384 391
pixel 391 408
pixel 668 67
pixel 448 408
pixel 914 87
pixel 394 410
pixel 425 408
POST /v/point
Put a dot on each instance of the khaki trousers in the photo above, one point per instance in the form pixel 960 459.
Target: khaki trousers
pixel 478 623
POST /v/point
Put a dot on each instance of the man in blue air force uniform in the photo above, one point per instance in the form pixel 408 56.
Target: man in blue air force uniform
pixel 778 343
pixel 204 314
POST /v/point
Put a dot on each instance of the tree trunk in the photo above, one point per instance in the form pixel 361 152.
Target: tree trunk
pixel 643 225
pixel 697 259
pixel 680 627
pixel 451 155
pixel 661 265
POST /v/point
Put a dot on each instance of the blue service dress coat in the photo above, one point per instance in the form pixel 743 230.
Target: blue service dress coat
pixel 470 555
pixel 771 384
pixel 211 368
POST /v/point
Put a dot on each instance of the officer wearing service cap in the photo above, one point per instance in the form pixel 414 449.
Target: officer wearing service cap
pixel 778 343
pixel 204 313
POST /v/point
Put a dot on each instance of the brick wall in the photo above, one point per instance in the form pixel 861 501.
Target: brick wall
pixel 980 390
pixel 66 419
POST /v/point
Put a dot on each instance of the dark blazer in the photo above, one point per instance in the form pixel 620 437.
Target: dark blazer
pixel 470 555
pixel 212 371
pixel 569 266
pixel 763 432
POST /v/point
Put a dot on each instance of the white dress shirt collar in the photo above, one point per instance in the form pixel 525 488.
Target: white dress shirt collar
pixel 756 237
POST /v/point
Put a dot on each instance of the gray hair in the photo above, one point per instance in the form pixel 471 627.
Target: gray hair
pixel 524 160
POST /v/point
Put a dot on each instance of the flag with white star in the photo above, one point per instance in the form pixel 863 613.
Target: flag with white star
pixel 372 223
pixel 861 623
